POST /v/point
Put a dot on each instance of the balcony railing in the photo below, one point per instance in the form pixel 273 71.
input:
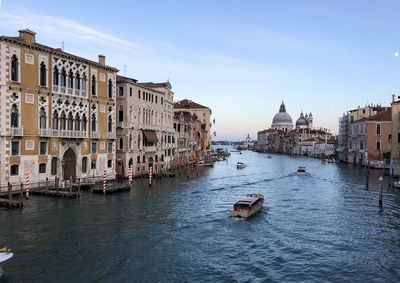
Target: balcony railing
pixel 45 132
pixel 150 149
pixel 17 132
pixel 112 135
pixel 120 124
pixel 149 127
pixel 95 135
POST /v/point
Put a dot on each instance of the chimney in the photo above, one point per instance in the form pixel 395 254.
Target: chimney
pixel 27 35
pixel 102 59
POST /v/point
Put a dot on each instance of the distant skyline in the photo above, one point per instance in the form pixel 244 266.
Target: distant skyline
pixel 240 58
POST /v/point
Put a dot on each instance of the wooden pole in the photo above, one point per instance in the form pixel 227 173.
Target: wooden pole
pixel 56 184
pixel 22 193
pixel 70 184
pixel 47 184
pixel 9 195
pixel 380 194
pixel 79 187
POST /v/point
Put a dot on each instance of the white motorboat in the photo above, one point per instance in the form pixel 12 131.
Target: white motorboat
pixel 240 165
pixel 301 170
pixel 5 254
pixel 247 206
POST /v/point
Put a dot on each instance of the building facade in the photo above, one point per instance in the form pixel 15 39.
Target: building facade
pixel 57 112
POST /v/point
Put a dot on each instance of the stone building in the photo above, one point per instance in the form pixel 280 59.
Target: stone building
pixel 185 137
pixel 282 120
pixel 145 135
pixel 57 112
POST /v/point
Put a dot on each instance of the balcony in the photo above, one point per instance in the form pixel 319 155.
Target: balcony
pixel 95 135
pixel 150 149
pixel 120 124
pixel 55 133
pixel 183 149
pixel 149 127
pixel 45 132
pixel 112 135
pixel 17 132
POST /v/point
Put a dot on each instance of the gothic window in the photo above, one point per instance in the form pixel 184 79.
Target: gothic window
pixel 55 76
pixel 54 162
pixel 93 85
pixel 130 141
pixel 109 124
pixel 109 88
pixel 55 120
pixel 84 164
pixel 42 74
pixel 77 82
pixel 77 123
pixel 42 118
pixel 70 79
pixel 84 123
pixel 63 77
pixel 14 116
pixel 62 121
pixel 94 123
pixel 14 68
pixel 70 122
pixel 84 80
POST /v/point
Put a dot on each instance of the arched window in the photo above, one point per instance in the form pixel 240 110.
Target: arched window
pixel 77 123
pixel 93 85
pixel 84 121
pixel 14 116
pixel 14 68
pixel 84 80
pixel 121 113
pixel 63 77
pixel 42 118
pixel 70 122
pixel 62 121
pixel 55 76
pixel 138 145
pixel 94 123
pixel 130 163
pixel 43 74
pixel 109 88
pixel 70 79
pixel 77 81
pixel 130 141
pixel 109 124
pixel 121 144
pixel 55 120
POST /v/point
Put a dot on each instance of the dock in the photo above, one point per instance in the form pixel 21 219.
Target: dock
pixel 10 202
pixel 53 193
pixel 112 190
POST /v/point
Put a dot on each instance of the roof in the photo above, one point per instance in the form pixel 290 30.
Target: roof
pixel 155 85
pixel 122 79
pixel 188 104
pixel 247 200
pixel 381 116
pixel 57 51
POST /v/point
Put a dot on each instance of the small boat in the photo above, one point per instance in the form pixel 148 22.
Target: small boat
pixel 220 159
pixel 269 156
pixel 210 164
pixel 240 165
pixel 396 184
pixel 301 170
pixel 247 206
pixel 240 152
pixel 5 254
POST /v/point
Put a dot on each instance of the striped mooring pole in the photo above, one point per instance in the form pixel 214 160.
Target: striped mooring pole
pixel 130 174
pixel 27 185
pixel 150 173
pixel 104 181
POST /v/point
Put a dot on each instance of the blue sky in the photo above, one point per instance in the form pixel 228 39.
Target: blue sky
pixel 240 58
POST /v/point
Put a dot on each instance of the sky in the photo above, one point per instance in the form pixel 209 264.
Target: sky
pixel 240 58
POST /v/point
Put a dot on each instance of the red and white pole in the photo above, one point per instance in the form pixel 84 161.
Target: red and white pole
pixel 130 174
pixel 27 185
pixel 104 181
pixel 150 173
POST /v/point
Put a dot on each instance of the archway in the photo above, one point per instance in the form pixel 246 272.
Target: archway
pixel 69 164
pixel 119 169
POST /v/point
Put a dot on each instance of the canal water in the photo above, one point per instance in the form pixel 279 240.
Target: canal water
pixel 320 227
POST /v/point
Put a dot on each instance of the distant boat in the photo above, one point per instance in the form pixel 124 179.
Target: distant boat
pixel 269 156
pixel 301 170
pixel 5 254
pixel 247 206
pixel 210 163
pixel 240 165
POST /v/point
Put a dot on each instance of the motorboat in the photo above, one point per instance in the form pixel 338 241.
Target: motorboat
pixel 301 170
pixel 240 165
pixel 209 163
pixel 247 206
pixel 5 254
pixel 269 156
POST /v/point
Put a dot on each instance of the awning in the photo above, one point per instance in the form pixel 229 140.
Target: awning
pixel 150 136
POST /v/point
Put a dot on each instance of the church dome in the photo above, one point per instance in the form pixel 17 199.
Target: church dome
pixel 282 120
pixel 301 121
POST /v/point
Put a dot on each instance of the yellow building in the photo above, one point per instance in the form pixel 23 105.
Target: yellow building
pixel 57 112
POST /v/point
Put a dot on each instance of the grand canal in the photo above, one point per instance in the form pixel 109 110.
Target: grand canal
pixel 320 227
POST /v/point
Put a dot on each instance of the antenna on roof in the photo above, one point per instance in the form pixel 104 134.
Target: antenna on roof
pixel 62 45
pixel 124 70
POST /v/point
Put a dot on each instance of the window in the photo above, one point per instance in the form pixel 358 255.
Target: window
pixel 55 76
pixel 378 129
pixel 93 164
pixel 109 163
pixel 94 123
pixel 139 93
pixel 361 145
pixel 398 137
pixel 84 79
pixel 70 122
pixel 363 111
pixel 14 68
pixel 156 99
pixel 144 159
pixel 121 114
pixel 84 164
pixel 77 123
pixel 15 148
pixel 130 92
pixel 121 91
pixel 121 144
pixel 63 78
pixel 109 88
pixel 14 116
pixel 42 168
pixel 378 145
pixel 14 170
pixel 42 78
pixel 54 162
pixel 109 124
pixel 77 81
pixel 94 147
pixel 162 100
pixel 43 148
pixel 110 147
pixel 70 79
pixel 138 159
pixel 84 121
pixel 55 120
pixel 93 85
pixel 42 119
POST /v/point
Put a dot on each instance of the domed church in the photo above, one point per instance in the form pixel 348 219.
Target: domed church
pixel 304 122
pixel 282 120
